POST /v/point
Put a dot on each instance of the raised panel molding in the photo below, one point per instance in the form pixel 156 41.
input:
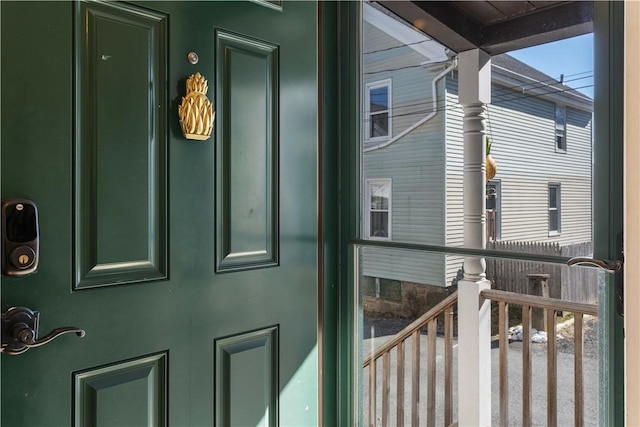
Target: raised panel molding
pixel 246 383
pixel 127 393
pixel 247 99
pixel 120 169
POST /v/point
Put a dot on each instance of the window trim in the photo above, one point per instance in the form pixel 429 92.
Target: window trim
pixel 367 112
pixel 558 208
pixel 560 128
pixel 367 210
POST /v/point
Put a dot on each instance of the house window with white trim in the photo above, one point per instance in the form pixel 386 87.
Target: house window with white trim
pixel 378 110
pixel 378 209
pixel 554 209
pixel 561 128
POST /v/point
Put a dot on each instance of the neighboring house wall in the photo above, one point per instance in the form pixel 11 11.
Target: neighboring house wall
pixel 522 129
pixel 425 166
pixel 523 132
pixel 454 179
pixel 415 163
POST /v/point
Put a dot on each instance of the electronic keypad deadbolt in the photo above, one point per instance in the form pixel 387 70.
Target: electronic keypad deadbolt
pixel 20 237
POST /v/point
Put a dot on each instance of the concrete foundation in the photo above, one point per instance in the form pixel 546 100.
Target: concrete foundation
pixel 416 299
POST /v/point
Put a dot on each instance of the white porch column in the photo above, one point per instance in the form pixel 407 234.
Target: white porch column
pixel 474 313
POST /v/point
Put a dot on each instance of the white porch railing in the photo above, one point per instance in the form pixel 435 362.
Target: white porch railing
pixel 551 307
pixel 397 346
pixel 391 355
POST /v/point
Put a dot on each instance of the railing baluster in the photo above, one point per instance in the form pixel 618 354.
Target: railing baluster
pixel 372 393
pixel 578 341
pixel 552 380
pixel 431 374
pixel 503 323
pixel 400 344
pixel 400 385
pixel 526 366
pixel 448 366
pixel 415 378
pixel 385 389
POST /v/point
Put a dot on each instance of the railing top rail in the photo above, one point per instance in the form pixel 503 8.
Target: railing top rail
pixel 539 302
pixel 411 328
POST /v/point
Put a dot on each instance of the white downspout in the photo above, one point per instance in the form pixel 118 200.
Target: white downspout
pixel 425 119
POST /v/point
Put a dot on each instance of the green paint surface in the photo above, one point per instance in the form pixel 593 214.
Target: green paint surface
pixel 148 210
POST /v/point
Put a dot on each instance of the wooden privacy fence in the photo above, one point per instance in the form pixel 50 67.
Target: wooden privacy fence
pixel 570 284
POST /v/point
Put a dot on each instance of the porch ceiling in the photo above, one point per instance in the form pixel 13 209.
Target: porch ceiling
pixel 496 26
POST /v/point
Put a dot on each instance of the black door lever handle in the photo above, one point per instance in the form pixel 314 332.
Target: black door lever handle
pixel 20 331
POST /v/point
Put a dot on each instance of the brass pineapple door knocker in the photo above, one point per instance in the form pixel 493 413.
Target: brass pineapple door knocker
pixel 195 111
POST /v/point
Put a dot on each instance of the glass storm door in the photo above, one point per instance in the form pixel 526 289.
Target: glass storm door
pixel 557 195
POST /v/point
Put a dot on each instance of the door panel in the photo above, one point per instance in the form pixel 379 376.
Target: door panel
pixel 247 158
pixel 120 145
pixel 247 366
pixel 90 133
pixel 128 393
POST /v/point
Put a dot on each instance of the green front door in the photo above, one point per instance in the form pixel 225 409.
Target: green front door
pixel 192 265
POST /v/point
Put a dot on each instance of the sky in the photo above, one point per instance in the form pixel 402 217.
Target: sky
pixel 572 57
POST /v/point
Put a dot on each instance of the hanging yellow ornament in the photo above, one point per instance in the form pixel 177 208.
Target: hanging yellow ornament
pixel 491 168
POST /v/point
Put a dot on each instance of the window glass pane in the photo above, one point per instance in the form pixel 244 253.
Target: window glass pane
pixel 553 197
pixel 379 223
pixel 388 306
pixel 560 119
pixel 379 196
pixel 540 127
pixel 379 125
pixel 553 220
pixel 379 203
pixel 379 99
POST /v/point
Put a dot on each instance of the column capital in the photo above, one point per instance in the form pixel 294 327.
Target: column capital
pixel 474 77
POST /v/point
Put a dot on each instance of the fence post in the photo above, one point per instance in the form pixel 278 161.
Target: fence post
pixel 539 285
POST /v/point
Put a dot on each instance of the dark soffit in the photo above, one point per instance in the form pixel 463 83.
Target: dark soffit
pixel 496 26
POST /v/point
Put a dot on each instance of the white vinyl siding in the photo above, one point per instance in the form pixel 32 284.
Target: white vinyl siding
pixel 409 266
pixel 454 179
pixel 411 91
pixel 415 163
pixel 523 132
pixel 518 222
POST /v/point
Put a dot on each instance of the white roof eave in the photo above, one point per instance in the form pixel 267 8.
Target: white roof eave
pixel 506 77
pixel 406 35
